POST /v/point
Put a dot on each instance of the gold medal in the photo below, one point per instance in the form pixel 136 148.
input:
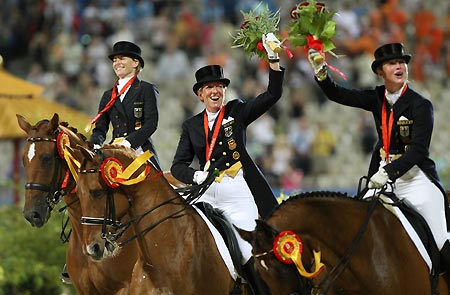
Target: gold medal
pixel 207 166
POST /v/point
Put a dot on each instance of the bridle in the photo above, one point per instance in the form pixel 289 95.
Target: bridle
pixel 325 284
pixel 190 195
pixel 54 190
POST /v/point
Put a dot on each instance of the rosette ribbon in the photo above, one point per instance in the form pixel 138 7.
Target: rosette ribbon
pixel 288 249
pixel 114 175
pixel 62 142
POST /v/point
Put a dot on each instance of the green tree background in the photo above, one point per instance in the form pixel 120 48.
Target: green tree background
pixel 31 259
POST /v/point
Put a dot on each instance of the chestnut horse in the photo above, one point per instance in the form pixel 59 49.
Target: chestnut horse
pixel 48 178
pixel 364 247
pixel 177 250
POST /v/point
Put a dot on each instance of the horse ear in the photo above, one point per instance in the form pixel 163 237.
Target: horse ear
pixel 23 123
pixel 87 154
pixel 264 228
pixel 246 235
pixel 55 122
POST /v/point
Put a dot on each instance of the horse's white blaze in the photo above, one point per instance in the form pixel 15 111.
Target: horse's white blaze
pixel 31 152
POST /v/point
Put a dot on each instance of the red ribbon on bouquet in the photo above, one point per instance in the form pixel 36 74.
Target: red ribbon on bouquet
pixel 316 44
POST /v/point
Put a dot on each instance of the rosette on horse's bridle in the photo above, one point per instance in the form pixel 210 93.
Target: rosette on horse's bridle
pixel 62 142
pixel 113 173
pixel 288 247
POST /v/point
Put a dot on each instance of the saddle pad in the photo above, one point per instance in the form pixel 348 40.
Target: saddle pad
pixel 220 243
pixel 409 229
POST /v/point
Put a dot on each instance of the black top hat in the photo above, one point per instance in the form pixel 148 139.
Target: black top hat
pixel 388 52
pixel 211 73
pixel 127 49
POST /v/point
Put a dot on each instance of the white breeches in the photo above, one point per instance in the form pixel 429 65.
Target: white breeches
pixel 234 198
pixel 419 192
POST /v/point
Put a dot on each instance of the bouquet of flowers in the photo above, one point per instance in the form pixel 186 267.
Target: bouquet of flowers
pixel 248 36
pixel 312 27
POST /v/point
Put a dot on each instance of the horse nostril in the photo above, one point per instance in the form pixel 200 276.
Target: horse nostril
pixel 34 218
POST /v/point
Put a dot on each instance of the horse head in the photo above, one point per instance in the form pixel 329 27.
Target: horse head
pixel 45 168
pixel 282 279
pixel 104 208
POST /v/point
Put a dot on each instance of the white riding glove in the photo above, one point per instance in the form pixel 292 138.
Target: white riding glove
pixel 317 61
pixel 379 179
pixel 200 176
pixel 97 146
pixel 122 141
pixel 272 45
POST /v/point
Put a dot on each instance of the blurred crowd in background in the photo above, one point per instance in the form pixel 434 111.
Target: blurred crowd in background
pixel 305 141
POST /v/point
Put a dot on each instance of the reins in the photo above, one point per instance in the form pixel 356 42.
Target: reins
pixel 328 280
pixel 190 195
pixel 344 260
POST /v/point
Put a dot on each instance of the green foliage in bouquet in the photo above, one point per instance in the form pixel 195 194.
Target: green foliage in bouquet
pixel 256 23
pixel 311 24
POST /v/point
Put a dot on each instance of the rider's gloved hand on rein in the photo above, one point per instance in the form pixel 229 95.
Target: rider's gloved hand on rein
pixel 272 46
pixel 317 61
pixel 122 141
pixel 200 176
pixel 379 179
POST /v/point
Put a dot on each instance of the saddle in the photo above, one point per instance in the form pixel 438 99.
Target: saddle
pixel 421 227
pixel 225 228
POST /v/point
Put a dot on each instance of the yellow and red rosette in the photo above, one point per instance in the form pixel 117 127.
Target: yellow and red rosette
pixel 288 248
pixel 114 174
pixel 62 142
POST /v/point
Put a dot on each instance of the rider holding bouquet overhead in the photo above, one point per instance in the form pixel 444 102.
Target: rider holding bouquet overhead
pixel 216 137
pixel 404 121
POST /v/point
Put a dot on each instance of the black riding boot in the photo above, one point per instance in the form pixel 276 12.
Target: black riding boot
pixel 445 257
pixel 254 280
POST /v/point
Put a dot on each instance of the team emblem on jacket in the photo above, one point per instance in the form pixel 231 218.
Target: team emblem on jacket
pixel 138 112
pixel 228 131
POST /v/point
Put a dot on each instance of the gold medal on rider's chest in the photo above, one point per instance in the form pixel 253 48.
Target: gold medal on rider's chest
pixel 207 166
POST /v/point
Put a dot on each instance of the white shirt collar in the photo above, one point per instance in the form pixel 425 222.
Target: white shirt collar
pixel 393 97
pixel 120 84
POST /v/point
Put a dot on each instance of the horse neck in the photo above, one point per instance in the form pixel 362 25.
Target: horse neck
pixel 73 207
pixel 148 195
pixel 320 215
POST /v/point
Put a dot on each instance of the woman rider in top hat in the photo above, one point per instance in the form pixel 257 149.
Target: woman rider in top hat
pixel 216 137
pixel 130 106
pixel 404 122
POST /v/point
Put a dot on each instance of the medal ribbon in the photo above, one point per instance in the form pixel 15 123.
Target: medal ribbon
pixel 210 147
pixel 386 126
pixel 111 102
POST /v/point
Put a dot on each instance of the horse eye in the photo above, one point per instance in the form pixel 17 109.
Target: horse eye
pixel 46 160
pixel 97 194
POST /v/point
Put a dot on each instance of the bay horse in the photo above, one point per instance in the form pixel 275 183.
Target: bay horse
pixel 364 248
pixel 177 250
pixel 48 178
